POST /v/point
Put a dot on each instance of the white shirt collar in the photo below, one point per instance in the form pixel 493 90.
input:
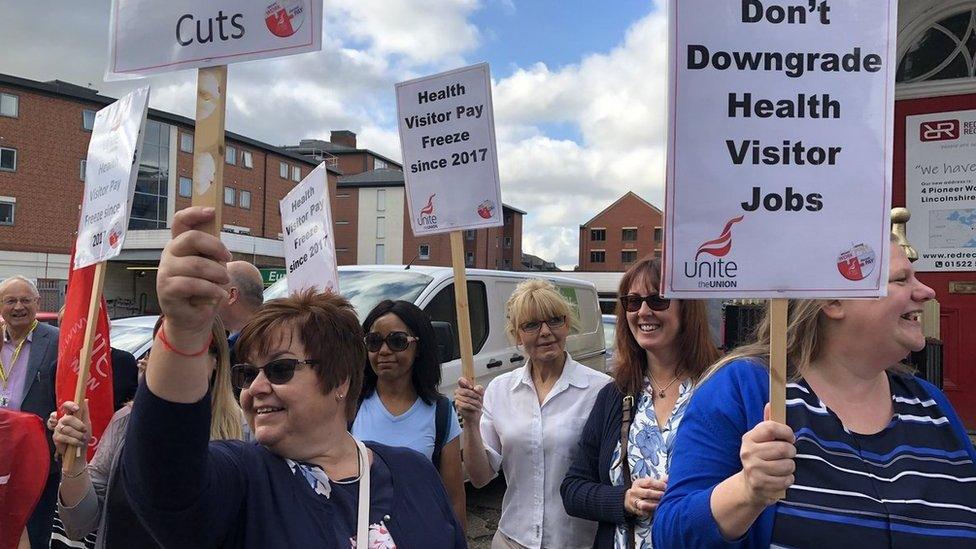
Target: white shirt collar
pixel 572 374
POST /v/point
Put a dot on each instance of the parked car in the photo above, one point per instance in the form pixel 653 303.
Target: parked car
pixel 133 334
pixel 609 333
pixel 432 289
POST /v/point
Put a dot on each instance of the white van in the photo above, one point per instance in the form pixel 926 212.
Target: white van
pixel 432 289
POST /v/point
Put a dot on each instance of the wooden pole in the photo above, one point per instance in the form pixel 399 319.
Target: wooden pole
pixel 208 143
pixel 777 362
pixel 461 299
pixel 84 361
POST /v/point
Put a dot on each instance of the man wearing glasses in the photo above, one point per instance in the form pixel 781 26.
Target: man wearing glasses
pixel 28 362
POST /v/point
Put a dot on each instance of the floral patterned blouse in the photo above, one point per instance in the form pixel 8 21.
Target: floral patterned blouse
pixel 649 449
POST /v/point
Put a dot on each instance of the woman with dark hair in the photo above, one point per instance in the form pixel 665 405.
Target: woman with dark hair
pixel 660 357
pixel 399 404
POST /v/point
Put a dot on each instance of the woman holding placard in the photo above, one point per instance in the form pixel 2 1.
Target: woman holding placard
pixel 870 454
pixel 307 482
pixel 527 423
pixel 660 358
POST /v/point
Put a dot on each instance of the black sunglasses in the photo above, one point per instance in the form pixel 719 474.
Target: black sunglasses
pixel 396 341
pixel 278 372
pixel 536 325
pixel 632 302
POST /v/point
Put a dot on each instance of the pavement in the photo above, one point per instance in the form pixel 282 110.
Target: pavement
pixel 484 509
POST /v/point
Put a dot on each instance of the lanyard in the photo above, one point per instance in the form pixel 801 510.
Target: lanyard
pixel 362 524
pixel 4 373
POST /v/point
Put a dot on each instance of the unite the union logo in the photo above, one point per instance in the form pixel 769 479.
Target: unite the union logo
pixel 718 272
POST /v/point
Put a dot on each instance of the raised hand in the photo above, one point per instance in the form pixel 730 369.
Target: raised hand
pixel 73 430
pixel 767 454
pixel 469 401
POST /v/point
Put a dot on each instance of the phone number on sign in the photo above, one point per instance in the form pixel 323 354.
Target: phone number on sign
pixel 954 264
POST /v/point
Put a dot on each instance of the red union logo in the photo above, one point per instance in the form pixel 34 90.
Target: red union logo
pixel 939 130
pixel 720 246
pixel 427 219
pixel 429 208
pixel 284 17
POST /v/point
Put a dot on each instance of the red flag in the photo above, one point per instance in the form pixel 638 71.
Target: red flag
pixel 101 404
pixel 24 464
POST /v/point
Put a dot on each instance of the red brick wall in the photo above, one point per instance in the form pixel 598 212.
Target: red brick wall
pixel 630 211
pixel 346 208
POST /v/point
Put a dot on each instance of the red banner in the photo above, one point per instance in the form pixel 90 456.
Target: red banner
pixel 24 466
pixel 99 386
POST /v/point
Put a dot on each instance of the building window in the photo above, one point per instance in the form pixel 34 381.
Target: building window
pixel 151 199
pixel 657 254
pixel 230 155
pixel 598 256
pixel 283 170
pixel 598 235
pixel 379 164
pixel 341 222
pixel 88 119
pixel 186 142
pixel 658 234
pixel 380 254
pixel 469 234
pixel 82 166
pixel 9 105
pixel 945 51
pixel 247 159
pixel 7 206
pixel 230 196
pixel 628 256
pixel 296 174
pixel 629 234
pixel 380 227
pixel 245 200
pixel 423 252
pixel 8 159
pixel 507 264
pixel 186 187
pixel 342 195
pixel 469 259
pixel 508 242
pixel 381 200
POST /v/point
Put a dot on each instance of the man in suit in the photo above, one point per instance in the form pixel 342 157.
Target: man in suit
pixel 28 363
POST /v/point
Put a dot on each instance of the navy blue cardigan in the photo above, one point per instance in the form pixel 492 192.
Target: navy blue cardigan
pixel 191 493
pixel 586 490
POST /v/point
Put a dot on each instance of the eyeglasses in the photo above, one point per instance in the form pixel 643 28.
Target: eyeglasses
pixel 278 372
pixel 396 341
pixel 11 301
pixel 632 302
pixel 536 325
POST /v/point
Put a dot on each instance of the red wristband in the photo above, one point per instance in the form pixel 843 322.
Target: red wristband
pixel 161 334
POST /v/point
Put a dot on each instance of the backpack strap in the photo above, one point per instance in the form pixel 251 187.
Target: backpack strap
pixel 442 413
pixel 627 417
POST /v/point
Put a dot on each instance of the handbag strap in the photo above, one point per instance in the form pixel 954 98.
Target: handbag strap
pixel 626 419
pixel 362 523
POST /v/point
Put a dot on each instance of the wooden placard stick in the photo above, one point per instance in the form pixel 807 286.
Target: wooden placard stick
pixel 778 310
pixel 84 360
pixel 461 299
pixel 208 143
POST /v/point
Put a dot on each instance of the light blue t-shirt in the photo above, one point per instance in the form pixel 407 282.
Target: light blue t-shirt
pixel 414 429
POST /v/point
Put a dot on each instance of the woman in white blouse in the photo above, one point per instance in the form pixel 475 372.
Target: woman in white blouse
pixel 530 421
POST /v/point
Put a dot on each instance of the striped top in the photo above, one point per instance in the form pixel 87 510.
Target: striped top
pixel 913 484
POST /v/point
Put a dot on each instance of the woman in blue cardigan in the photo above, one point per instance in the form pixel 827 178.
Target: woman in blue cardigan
pixel 307 482
pixel 870 454
pixel 663 347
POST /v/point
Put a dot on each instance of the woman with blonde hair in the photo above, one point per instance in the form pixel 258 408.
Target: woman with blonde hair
pixel 90 497
pixel 663 347
pixel 528 420
pixel 868 452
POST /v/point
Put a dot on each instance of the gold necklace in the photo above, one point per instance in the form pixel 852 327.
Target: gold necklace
pixel 654 382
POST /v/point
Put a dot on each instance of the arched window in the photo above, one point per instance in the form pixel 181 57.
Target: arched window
pixel 945 51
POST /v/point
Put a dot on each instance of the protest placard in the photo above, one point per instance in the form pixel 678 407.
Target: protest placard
pixel 306 222
pixel 110 177
pixel 447 138
pixel 940 189
pixel 779 161
pixel 150 37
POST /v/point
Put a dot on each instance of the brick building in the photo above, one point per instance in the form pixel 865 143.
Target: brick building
pixel 44 132
pixel 625 231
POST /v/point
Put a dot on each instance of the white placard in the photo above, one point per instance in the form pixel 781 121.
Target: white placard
pixel 151 37
pixel 940 189
pixel 306 222
pixel 110 178
pixel 450 164
pixel 779 161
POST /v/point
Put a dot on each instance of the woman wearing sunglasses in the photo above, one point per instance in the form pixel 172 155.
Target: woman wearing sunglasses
pixel 307 482
pixel 660 358
pixel 399 404
pixel 530 420
pixel 91 498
